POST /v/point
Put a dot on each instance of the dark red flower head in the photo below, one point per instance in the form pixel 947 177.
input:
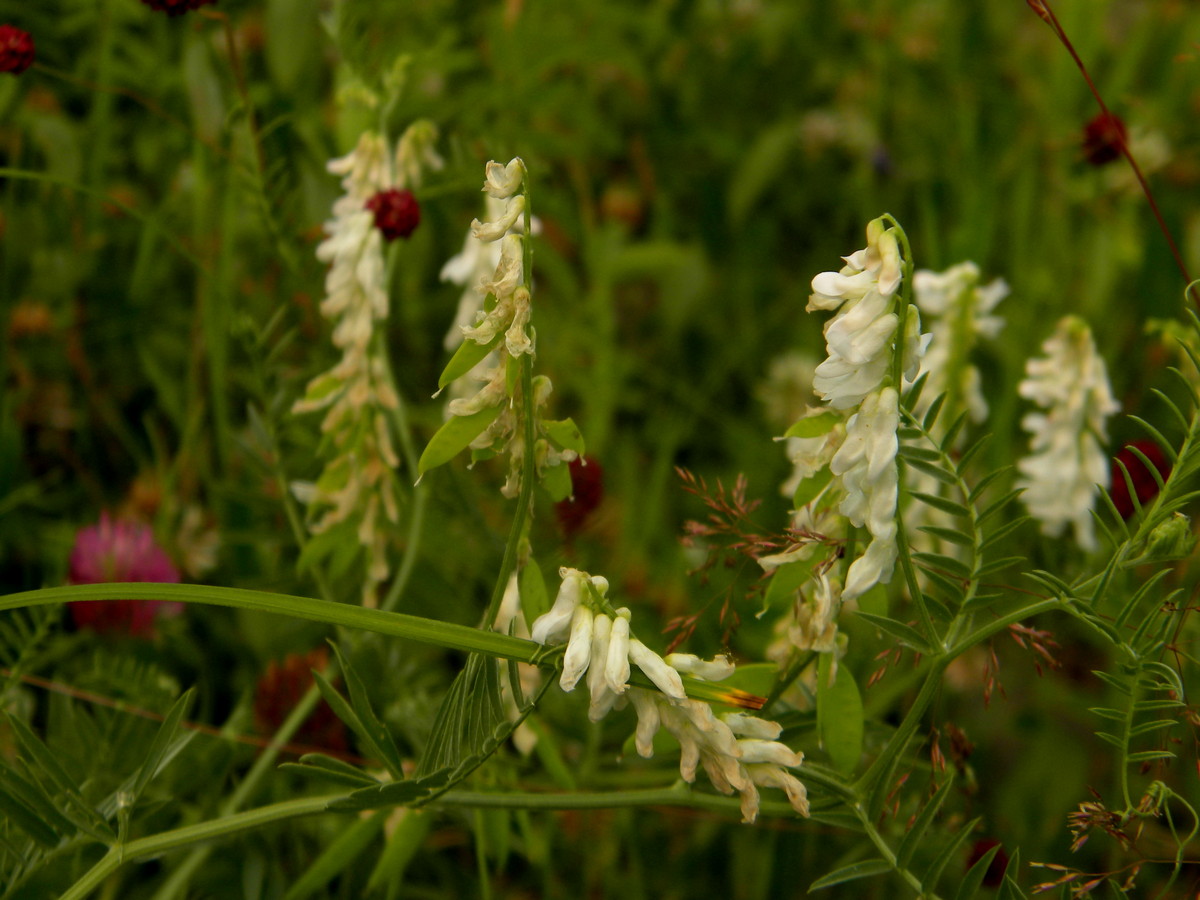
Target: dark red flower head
pixel 397 214
pixel 177 7
pixel 16 49
pixel 282 686
pixel 1143 480
pixel 587 490
pixel 1103 138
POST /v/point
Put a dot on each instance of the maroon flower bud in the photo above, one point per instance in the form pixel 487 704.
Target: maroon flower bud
pixel 16 49
pixel 177 7
pixel 587 488
pixel 1144 484
pixel 1103 139
pixel 397 214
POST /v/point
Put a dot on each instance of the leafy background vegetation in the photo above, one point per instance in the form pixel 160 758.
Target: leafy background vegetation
pixel 694 164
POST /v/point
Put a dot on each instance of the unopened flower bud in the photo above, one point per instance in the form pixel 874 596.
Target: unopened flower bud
pixel 16 49
pixel 1172 539
pixel 397 213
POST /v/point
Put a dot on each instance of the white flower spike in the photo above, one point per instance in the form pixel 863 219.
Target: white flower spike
pixel 1067 467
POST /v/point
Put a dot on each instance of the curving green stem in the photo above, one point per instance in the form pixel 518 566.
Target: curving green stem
pixel 508 563
pixel 525 498
pixel 426 631
pixel 897 370
pixel 263 765
pixel 679 795
pixel 192 834
pixel 414 628
pixel 398 418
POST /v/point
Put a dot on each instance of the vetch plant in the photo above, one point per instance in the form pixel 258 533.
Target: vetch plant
pixel 787 702
pixel 359 484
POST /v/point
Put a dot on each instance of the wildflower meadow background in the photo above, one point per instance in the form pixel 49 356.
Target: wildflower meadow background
pixel 777 478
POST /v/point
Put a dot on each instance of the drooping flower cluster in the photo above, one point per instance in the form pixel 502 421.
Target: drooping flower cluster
pixel 862 342
pixel 495 337
pixel 860 338
pixel 122 550
pixel 359 481
pixel 1067 466
pixel 959 310
pixel 738 752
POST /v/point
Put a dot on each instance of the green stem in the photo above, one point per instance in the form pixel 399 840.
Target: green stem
pixel 263 765
pixel 427 631
pixel 1126 736
pixel 193 834
pixel 524 500
pixel 1001 623
pixel 897 373
pixel 678 795
pixel 99 130
pixel 408 449
pixel 295 522
pixel 416 527
pixel 907 728
pixel 910 578
pixel 890 857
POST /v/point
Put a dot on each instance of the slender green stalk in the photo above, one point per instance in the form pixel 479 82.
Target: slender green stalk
pixel 889 856
pixel 193 834
pixel 402 429
pixel 427 631
pixel 1000 623
pixel 508 563
pixel 897 371
pixel 679 795
pixel 264 764
pixel 528 470
pixel 910 578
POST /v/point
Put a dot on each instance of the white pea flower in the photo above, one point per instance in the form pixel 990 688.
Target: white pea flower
pixel 579 647
pixel 551 625
pixel 665 678
pixel 616 663
pixel 1067 466
pixel 503 181
pixel 716 669
pixel 494 230
pixel 866 464
pixel 745 725
pixel 859 338
pixel 356 393
pixel 603 698
pixel 736 750
pixel 815 625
